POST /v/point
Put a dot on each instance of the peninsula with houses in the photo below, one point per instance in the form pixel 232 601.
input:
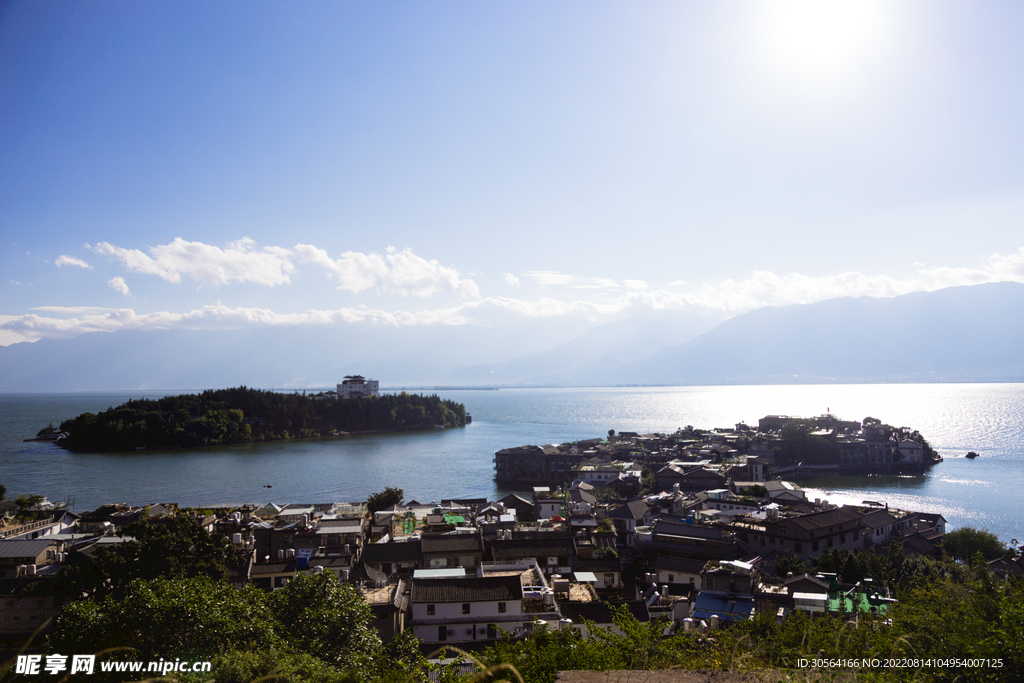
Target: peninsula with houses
pixel 697 459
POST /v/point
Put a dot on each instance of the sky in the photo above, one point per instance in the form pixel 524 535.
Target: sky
pixel 254 164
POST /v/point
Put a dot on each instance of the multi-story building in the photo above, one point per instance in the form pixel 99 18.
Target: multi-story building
pixel 357 385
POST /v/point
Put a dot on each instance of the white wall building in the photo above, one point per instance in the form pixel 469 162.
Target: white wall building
pixel 357 385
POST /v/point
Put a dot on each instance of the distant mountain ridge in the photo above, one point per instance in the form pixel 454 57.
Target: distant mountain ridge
pixel 960 334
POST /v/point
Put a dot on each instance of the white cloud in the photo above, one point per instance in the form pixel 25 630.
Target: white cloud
pixel 119 285
pixel 402 272
pixel 63 260
pixel 511 279
pixel 729 297
pixel 33 327
pixel 636 285
pixel 238 262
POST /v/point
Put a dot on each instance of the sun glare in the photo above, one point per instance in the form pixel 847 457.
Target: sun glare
pixel 823 39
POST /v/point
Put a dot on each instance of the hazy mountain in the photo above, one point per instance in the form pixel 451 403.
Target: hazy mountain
pixel 269 357
pixel 585 358
pixel 956 334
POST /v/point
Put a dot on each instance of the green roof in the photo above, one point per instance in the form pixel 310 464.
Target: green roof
pixel 858 602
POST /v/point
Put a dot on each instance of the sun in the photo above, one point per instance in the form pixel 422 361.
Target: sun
pixel 820 39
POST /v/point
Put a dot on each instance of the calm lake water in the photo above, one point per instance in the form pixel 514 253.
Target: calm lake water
pixel 955 418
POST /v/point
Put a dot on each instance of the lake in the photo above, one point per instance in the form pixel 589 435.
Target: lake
pixel 955 418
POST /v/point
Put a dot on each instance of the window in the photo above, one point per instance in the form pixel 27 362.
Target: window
pixel 798 547
pixel 609 579
pixel 814 547
pixel 671 578
pixel 501 608
pixel 430 610
pixel 465 608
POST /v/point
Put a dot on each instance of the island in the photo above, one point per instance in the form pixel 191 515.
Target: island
pixel 241 415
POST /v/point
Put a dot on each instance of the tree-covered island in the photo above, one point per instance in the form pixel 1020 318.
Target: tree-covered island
pixel 242 415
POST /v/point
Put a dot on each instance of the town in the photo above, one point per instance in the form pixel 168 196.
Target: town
pixel 707 539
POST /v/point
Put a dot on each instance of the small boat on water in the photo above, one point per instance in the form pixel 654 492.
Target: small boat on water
pixel 971 455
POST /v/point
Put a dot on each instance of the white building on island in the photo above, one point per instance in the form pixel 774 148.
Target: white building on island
pixel 357 385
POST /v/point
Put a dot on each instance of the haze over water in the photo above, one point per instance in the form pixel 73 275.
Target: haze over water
pixel 955 418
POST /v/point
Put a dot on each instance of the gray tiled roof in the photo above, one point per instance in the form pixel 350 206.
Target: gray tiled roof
pixel 407 551
pixel 486 589
pixel 452 543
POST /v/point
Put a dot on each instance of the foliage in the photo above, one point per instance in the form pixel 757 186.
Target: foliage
pixel 240 415
pixel 314 629
pixel 384 499
pixel 801 445
pixel 962 544
pixel 196 618
pixel 3 492
pixel 757 491
pixel 171 548
pixel 29 502
pixel 322 617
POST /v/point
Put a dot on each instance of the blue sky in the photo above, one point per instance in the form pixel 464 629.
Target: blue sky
pixel 253 164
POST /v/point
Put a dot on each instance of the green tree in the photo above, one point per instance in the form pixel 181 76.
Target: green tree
pixel 175 548
pixel 195 617
pixel 327 619
pixel 963 543
pixel 29 502
pixel 384 499
pixel 3 492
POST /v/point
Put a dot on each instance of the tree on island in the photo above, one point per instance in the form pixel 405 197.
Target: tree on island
pixel 3 492
pixel 384 499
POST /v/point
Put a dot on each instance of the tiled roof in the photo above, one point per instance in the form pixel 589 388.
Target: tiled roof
pixel 452 543
pixel 599 566
pixel 636 509
pixel 18 548
pixel 407 551
pixel 676 564
pixel 878 518
pixel 486 589
pixel 532 547
pixel 819 520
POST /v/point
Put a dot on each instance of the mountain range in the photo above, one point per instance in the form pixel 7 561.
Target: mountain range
pixel 959 334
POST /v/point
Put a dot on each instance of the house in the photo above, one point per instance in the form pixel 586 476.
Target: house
pixel 553 553
pixel 607 571
pixel 727 593
pixel 784 492
pixel 688 540
pixel 627 518
pixel 388 601
pixel 394 557
pixel 679 571
pixel 880 526
pixel 26 557
pixel 466 609
pixel 524 509
pixel 451 550
pixel 910 452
